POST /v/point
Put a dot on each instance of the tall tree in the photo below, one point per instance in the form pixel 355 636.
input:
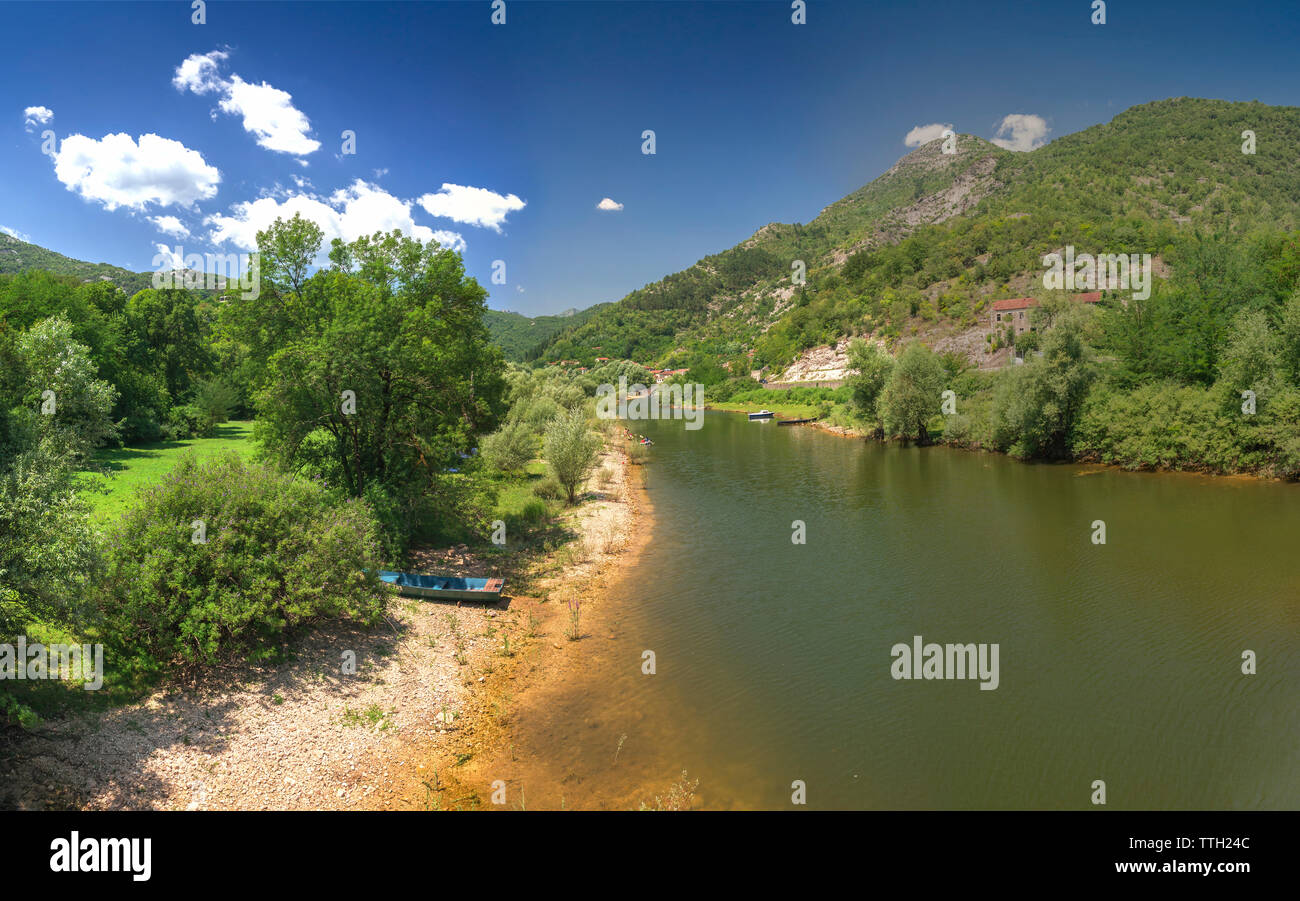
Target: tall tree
pixel 911 395
pixel 376 373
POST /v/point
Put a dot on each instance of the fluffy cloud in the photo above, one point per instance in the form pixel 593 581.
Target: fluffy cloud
pixel 198 73
pixel 1026 132
pixel 450 240
pixel 116 171
pixel 609 205
pixel 349 213
pixel 170 225
pixel 170 259
pixel 924 134
pixel 36 115
pixel 268 112
pixel 471 206
pixel 14 233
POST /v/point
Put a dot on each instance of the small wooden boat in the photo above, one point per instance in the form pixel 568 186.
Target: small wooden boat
pixel 795 421
pixel 444 588
pixel 761 414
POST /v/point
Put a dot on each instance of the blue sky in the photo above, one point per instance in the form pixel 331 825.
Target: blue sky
pixel 533 123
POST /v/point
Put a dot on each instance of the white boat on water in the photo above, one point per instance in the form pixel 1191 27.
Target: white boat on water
pixel 761 414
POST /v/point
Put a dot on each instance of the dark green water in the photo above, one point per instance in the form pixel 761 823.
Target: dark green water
pixel 1119 662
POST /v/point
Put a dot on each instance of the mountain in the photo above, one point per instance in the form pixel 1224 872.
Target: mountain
pixel 930 243
pixel 19 256
pixel 519 336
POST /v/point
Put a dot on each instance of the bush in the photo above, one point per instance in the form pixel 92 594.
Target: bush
pixel 534 511
pixel 278 552
pixel 215 399
pixel 570 450
pixel 549 488
pixel 539 412
pixel 188 421
pixel 511 447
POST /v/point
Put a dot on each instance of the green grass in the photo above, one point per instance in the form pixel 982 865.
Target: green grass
pixel 782 410
pixel 515 492
pixel 133 468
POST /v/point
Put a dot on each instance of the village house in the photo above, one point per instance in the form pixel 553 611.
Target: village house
pixel 1015 311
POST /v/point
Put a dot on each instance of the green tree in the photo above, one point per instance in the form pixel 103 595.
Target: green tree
pixel 62 383
pixel 276 552
pixel 1251 359
pixel 381 375
pixel 167 321
pixel 911 395
pixel 511 447
pixel 873 367
pixel 570 449
pixel 1035 405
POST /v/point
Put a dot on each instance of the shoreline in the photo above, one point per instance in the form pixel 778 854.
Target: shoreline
pixel 846 432
pixel 432 691
pixel 551 664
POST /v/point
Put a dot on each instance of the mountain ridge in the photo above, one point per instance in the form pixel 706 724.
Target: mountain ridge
pixel 943 233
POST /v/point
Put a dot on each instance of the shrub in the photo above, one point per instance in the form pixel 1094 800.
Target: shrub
pixel 549 488
pixel 187 421
pixel 539 412
pixel 570 449
pixel 279 552
pixel 215 399
pixel 534 511
pixel 511 447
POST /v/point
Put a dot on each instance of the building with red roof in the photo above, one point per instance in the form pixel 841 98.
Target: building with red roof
pixel 1015 310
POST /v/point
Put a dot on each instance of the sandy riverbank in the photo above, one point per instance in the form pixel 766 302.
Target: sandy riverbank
pixel 434 691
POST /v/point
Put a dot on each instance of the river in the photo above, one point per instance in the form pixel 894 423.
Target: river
pixel 1120 662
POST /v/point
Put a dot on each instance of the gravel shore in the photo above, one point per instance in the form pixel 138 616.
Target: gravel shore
pixel 430 691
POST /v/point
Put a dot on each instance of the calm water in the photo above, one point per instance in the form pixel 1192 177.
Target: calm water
pixel 1119 662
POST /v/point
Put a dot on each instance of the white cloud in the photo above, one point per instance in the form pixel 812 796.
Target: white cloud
pixel 348 213
pixel 268 112
pixel 1026 131
pixel 171 259
pixel 36 115
pixel 471 206
pixel 450 240
pixel 198 73
pixel 607 204
pixel 15 233
pixel 270 115
pixel 924 134
pixel 170 225
pixel 116 171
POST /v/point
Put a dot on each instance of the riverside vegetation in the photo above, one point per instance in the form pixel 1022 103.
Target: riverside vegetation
pixel 384 421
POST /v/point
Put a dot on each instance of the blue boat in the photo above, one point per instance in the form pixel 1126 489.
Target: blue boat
pixel 761 414
pixel 445 588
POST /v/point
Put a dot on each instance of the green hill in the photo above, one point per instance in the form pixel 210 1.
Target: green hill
pixel 930 242
pixel 19 256
pixel 519 336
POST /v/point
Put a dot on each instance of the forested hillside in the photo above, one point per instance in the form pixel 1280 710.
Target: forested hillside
pixel 19 256
pixel 938 236
pixel 521 338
